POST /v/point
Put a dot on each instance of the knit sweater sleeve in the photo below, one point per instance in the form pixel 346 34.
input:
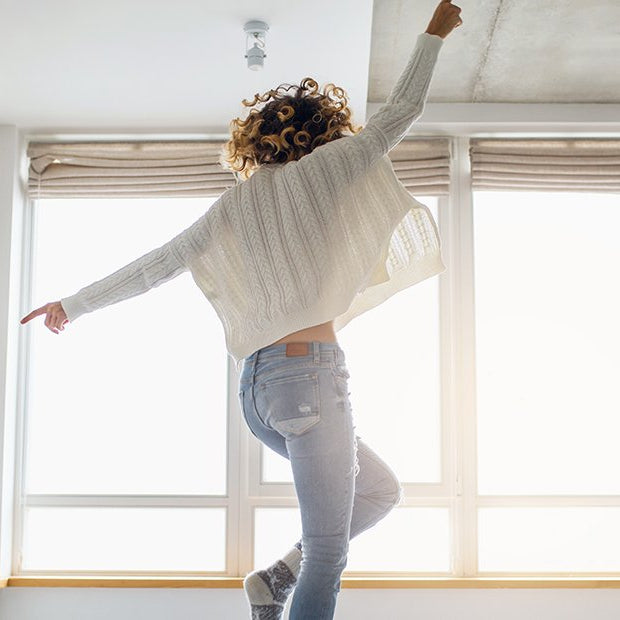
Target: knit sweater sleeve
pixel 406 101
pixel 392 121
pixel 149 271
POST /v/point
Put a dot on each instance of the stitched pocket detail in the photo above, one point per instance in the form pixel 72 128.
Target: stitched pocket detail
pixel 292 403
pixel 287 379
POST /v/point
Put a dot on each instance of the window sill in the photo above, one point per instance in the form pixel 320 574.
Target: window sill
pixel 347 582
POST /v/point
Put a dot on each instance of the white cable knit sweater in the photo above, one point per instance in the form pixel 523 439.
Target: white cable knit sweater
pixel 328 236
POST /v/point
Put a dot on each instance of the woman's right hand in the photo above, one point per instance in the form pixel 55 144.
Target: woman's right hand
pixel 445 19
pixel 55 317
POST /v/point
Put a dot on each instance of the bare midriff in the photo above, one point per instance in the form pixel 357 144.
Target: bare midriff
pixel 322 333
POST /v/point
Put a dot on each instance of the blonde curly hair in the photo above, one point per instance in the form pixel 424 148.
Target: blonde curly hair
pixel 288 127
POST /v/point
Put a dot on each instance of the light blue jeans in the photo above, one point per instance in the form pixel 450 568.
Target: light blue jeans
pixel 298 405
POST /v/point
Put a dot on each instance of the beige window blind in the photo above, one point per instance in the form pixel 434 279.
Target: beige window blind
pixel 190 168
pixel 570 164
pixel 126 169
pixel 422 165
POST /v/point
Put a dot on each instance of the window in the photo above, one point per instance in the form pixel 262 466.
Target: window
pixel 126 411
pixel 490 390
pixel 547 363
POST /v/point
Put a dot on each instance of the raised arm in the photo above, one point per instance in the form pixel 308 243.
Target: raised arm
pixel 405 103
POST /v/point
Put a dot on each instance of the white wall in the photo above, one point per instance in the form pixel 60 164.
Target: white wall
pixel 11 198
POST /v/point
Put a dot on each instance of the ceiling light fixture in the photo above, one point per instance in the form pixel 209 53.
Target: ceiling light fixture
pixel 256 31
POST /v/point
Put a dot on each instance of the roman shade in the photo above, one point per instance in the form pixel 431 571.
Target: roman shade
pixel 188 168
pixel 550 165
pixel 126 169
pixel 422 165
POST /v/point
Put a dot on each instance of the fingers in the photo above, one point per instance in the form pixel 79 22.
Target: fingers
pixel 54 320
pixel 51 321
pixel 37 312
pixel 457 10
pixel 48 322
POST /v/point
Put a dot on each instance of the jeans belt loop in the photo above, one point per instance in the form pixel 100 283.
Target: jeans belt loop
pixel 317 352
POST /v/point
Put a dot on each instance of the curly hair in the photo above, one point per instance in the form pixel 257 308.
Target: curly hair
pixel 288 127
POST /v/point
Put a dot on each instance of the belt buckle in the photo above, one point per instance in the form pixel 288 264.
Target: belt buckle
pixel 297 348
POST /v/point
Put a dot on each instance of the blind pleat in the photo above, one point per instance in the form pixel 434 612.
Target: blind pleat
pixel 127 169
pixel 575 164
pixel 422 165
pixel 192 168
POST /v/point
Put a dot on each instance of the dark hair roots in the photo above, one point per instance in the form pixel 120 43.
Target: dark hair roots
pixel 287 127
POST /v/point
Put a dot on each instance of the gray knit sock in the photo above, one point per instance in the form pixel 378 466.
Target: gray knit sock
pixel 268 589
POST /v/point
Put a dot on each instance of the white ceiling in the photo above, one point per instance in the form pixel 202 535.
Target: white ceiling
pixel 148 64
pixel 169 64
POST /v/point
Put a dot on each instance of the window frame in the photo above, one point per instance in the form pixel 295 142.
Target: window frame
pixel 457 490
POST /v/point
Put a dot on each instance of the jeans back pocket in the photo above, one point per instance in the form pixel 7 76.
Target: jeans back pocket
pixel 290 404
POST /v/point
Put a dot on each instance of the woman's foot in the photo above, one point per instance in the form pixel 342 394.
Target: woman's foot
pixel 268 589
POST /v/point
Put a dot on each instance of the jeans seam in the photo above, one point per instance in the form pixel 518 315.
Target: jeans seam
pixel 374 519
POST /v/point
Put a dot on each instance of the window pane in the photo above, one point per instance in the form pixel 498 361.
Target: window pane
pixel 583 539
pixel 275 468
pixel 132 397
pixel 407 539
pixel 276 530
pixel 116 539
pixel 547 342
pixel 392 353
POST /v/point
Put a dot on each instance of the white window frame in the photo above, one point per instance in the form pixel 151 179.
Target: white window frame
pixel 457 489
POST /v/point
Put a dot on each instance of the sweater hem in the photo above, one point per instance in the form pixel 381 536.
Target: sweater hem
pixel 343 309
pixel 306 317
pixel 428 266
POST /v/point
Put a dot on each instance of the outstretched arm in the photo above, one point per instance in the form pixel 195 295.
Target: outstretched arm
pixel 144 273
pixel 149 271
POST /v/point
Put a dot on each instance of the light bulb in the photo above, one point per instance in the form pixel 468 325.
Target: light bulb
pixel 255 58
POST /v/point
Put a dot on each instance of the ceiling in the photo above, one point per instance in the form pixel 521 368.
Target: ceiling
pixel 149 64
pixel 506 51
pixel 127 64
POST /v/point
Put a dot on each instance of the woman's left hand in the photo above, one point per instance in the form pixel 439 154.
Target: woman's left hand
pixel 55 316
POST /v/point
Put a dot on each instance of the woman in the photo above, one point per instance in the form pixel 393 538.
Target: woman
pixel 319 231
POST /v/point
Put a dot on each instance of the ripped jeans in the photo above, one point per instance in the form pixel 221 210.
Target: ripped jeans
pixel 298 405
